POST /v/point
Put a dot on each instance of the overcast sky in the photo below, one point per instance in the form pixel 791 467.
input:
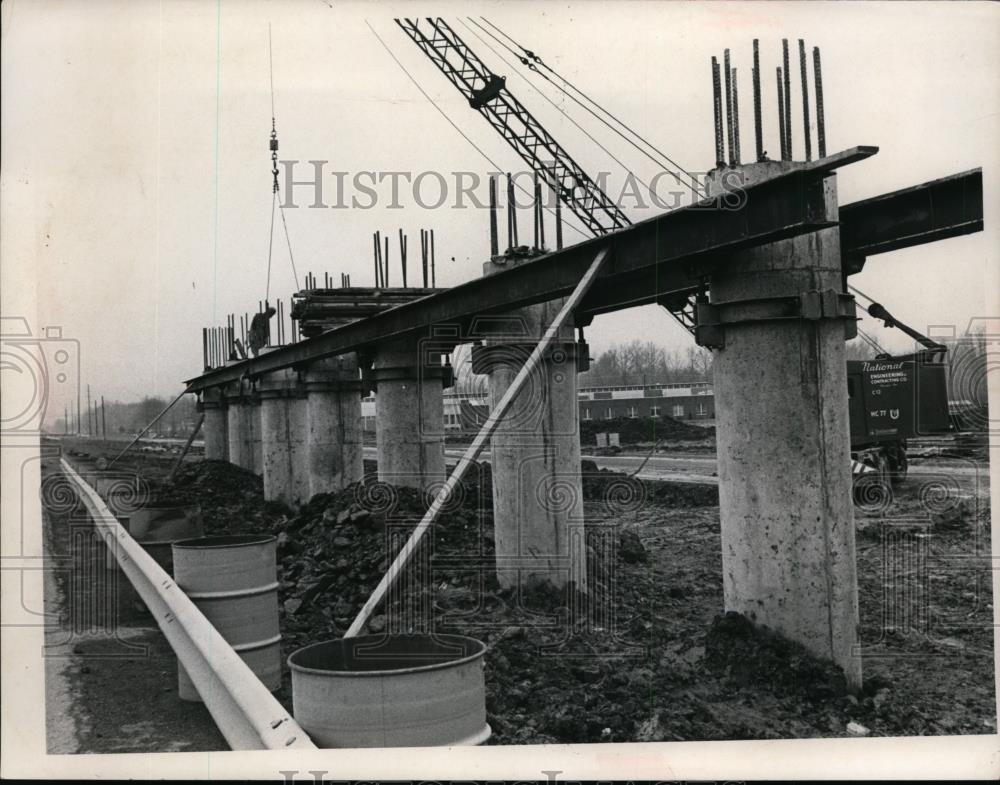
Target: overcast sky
pixel 136 180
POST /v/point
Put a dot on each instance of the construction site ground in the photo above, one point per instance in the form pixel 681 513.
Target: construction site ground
pixel 649 658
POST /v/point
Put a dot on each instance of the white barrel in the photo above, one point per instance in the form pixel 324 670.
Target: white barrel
pixel 233 581
pixel 391 691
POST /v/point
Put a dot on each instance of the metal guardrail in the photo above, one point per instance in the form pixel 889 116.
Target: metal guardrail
pixel 249 717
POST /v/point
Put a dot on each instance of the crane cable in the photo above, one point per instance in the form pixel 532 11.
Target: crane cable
pixel 275 189
pixel 871 342
pixel 465 136
pixel 867 338
pixel 531 60
pixel 557 107
pixel 858 291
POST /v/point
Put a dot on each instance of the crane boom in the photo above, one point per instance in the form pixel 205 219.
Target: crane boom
pixel 487 93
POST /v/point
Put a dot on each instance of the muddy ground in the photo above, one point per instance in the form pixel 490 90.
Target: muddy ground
pixel 651 658
pixel 111 676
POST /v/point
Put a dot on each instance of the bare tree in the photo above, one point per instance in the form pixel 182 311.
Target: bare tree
pixel 643 362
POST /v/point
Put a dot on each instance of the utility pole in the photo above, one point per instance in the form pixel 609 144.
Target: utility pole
pixel 90 420
pixel 104 421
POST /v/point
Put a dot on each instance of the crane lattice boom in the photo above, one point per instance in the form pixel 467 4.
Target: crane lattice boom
pixel 487 93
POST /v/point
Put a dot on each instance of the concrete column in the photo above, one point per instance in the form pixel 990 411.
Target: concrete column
pixel 284 438
pixel 409 416
pixel 336 457
pixel 537 489
pixel 244 427
pixel 215 428
pixel 784 450
pixel 254 415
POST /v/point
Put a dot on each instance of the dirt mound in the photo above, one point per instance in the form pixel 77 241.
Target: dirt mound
pixel 335 550
pixel 231 499
pixel 751 654
pixel 220 477
pixel 636 430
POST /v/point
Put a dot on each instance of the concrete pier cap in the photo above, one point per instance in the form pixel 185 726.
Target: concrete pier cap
pixel 783 439
pixel 535 452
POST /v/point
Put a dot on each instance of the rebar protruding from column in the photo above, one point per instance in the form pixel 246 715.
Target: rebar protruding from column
pixel 424 239
pixel 781 117
pixel 433 274
pixel 757 121
pixel 402 254
pixel 729 108
pixel 720 150
pixel 559 224
pixel 494 232
pixel 805 99
pixel 820 126
pixel 787 75
pixel 385 265
pixel 265 306
pixel 511 215
pixel 736 118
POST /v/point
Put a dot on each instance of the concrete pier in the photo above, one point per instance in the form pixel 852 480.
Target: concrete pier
pixel 537 488
pixel 243 410
pixel 283 420
pixel 256 438
pixel 216 426
pixel 784 446
pixel 409 411
pixel 334 432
